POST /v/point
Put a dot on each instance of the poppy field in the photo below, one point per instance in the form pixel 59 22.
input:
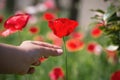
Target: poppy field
pixel 90 55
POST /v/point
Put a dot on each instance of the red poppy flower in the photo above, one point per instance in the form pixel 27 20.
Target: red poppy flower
pixel 74 45
pixel 94 48
pixel 34 29
pixel 91 47
pixel 115 75
pixel 49 16
pixel 56 74
pixel 38 38
pixel 96 31
pixel 55 40
pixel 62 26
pixel 15 23
pixel 77 35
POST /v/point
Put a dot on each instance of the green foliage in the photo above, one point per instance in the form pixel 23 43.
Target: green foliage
pixel 111 23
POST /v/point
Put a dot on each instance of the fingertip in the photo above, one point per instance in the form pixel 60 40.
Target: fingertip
pixel 51 52
pixel 59 51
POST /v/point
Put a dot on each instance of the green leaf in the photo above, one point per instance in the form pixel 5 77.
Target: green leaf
pixel 110 12
pixel 98 10
pixel 114 19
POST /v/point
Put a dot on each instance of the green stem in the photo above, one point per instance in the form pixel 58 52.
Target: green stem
pixel 66 58
pixel 20 38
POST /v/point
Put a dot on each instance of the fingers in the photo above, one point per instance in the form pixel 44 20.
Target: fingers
pixel 46 49
pixel 31 70
pixel 45 44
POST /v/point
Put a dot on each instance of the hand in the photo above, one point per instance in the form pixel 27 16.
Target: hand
pixel 36 49
pixel 21 59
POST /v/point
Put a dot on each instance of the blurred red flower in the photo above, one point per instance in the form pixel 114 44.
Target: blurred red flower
pixel 56 74
pixel 42 59
pixel 74 45
pixel 62 26
pixel 49 4
pixel 38 38
pixel 111 51
pixel 96 31
pixel 91 47
pixel 111 54
pixel 94 48
pixel 115 75
pixel 34 29
pixel 15 23
pixel 55 40
pixel 49 16
pixel 77 35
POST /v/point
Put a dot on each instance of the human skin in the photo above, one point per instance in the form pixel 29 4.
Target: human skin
pixel 21 59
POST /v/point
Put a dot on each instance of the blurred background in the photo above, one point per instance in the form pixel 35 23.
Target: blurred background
pixel 90 55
